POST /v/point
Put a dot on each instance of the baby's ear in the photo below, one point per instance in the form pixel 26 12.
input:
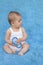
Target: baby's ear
pixel 12 23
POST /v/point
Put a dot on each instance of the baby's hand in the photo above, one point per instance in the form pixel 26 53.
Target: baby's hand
pixel 11 43
pixel 19 40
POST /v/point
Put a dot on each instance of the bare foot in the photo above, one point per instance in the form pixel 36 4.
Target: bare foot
pixel 20 53
pixel 13 51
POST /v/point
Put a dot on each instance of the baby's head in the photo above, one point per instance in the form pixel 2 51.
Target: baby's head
pixel 14 18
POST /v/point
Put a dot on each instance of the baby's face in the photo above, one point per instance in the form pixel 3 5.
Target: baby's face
pixel 17 22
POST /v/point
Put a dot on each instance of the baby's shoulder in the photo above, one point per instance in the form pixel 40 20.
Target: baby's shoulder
pixel 22 28
pixel 8 31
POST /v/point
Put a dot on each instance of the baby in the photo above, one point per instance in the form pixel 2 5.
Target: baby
pixel 16 30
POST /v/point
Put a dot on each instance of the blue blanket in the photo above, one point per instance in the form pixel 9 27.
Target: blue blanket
pixel 32 17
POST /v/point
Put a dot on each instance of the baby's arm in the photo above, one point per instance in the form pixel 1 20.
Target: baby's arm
pixel 24 36
pixel 7 37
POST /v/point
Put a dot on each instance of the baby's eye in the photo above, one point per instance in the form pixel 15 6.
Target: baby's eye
pixel 20 20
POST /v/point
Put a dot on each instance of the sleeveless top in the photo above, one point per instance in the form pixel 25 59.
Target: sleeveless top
pixel 17 34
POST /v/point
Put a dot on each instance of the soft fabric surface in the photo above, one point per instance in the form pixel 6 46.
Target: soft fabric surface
pixel 32 17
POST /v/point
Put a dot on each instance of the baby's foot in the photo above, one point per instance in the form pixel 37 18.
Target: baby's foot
pixel 20 53
pixel 13 51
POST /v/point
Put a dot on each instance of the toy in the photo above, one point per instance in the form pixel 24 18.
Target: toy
pixel 14 41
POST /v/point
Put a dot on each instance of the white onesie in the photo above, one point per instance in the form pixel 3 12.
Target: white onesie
pixel 16 34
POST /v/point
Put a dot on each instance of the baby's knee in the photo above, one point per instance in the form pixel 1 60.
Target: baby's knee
pixel 4 46
pixel 26 46
pixel 7 49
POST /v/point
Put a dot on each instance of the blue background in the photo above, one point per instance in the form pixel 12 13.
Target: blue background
pixel 32 17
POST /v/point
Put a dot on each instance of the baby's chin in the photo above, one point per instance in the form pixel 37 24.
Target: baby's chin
pixel 18 26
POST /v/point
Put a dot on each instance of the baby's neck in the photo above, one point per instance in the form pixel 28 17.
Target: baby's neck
pixel 15 28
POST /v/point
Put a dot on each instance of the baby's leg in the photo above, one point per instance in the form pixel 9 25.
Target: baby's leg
pixel 7 49
pixel 25 48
